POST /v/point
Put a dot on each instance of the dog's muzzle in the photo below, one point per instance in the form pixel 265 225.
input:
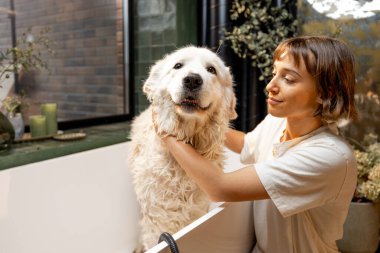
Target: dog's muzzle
pixel 192 84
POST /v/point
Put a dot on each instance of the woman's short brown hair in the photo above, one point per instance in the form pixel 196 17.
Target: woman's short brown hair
pixel 332 64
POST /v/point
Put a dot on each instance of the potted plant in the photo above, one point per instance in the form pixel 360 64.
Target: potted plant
pixel 25 56
pixel 261 26
pixel 14 105
pixel 368 163
pixel 361 229
pixel 253 32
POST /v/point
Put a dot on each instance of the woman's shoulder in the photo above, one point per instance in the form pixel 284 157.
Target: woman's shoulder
pixel 328 141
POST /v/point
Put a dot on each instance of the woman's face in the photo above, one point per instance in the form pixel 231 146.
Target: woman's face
pixel 292 91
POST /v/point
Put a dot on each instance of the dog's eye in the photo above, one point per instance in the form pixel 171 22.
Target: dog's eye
pixel 212 70
pixel 178 66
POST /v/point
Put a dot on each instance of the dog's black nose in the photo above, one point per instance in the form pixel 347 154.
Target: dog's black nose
pixel 193 82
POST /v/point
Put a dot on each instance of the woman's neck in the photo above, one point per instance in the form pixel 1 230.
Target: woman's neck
pixel 299 127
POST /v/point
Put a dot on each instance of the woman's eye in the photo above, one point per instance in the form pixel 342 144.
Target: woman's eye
pixel 288 80
pixel 178 66
pixel 212 70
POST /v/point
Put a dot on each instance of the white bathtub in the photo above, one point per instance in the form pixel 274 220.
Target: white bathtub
pixel 85 203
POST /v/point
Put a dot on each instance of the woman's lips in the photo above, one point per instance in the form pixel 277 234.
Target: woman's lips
pixel 273 101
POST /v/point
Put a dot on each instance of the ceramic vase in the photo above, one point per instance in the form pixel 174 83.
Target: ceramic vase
pixel 361 229
pixel 18 124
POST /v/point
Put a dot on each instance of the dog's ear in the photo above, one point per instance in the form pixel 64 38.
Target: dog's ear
pixel 150 85
pixel 231 98
pixel 232 105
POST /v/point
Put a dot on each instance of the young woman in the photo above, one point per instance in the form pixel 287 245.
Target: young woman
pixel 300 174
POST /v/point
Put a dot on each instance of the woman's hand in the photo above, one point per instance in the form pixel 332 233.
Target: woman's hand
pixel 160 133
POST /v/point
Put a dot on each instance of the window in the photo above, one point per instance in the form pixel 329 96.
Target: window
pixel 88 75
pixel 358 24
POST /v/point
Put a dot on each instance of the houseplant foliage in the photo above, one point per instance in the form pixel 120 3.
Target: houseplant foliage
pixel 28 54
pixel 363 135
pixel 368 162
pixel 262 26
pixel 14 104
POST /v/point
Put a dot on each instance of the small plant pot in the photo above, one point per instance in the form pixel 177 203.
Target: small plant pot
pixel 18 124
pixel 361 229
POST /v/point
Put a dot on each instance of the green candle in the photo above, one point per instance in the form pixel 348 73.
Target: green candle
pixel 50 112
pixel 37 124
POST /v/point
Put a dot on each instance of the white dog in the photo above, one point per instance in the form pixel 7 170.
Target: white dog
pixel 192 98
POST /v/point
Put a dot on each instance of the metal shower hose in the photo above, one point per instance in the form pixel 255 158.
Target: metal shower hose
pixel 168 238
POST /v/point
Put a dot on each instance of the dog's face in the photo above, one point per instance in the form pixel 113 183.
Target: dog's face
pixel 195 80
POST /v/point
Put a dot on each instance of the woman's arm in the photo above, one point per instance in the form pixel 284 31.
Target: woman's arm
pixel 241 185
pixel 234 140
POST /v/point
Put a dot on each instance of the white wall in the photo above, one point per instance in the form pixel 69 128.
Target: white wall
pixel 77 203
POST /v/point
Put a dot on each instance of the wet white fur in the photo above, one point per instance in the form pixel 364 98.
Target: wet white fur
pixel 168 198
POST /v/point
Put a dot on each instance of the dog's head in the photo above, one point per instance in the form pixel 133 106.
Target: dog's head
pixel 195 81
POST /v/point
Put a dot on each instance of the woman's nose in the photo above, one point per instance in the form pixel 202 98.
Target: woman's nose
pixel 272 86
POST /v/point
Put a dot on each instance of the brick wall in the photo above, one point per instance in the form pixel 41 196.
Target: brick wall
pixel 5 26
pixel 85 75
pixel 6 84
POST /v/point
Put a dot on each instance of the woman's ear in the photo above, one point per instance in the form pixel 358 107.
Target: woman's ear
pixel 319 99
pixel 319 96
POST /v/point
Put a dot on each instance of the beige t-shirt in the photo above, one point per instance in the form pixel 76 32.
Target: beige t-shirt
pixel 310 181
